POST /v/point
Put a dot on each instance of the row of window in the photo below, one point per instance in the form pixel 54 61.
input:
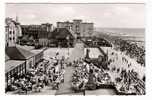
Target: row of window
pixel 19 70
pixel 10 32
pixel 12 38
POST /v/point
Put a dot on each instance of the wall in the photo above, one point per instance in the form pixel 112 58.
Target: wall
pixel 30 62
pixel 38 57
pixel 43 41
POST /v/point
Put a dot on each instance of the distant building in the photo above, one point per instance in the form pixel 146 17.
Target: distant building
pixel 12 31
pixel 47 27
pixel 31 30
pixel 77 27
pixel 61 37
pixel 43 38
pixel 38 32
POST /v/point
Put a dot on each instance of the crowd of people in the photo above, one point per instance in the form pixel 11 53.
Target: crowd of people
pixel 46 73
pixel 120 74
pixel 34 79
pixel 87 76
pixel 132 49
pixel 128 78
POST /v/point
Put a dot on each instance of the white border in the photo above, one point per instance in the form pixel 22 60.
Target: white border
pixel 76 1
pixel 148 49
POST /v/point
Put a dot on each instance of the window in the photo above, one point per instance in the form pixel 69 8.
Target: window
pixel 10 38
pixel 7 43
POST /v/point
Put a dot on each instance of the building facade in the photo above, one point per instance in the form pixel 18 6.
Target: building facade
pixel 38 55
pixel 61 37
pixel 14 69
pixel 12 31
pixel 77 27
pixel 17 59
pixel 38 32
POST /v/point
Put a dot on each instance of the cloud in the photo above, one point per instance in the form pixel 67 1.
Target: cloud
pixel 103 15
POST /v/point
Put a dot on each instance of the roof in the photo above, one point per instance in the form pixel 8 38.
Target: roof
pixel 6 57
pixel 11 64
pixel 25 37
pixel 77 20
pixel 61 33
pixel 28 48
pixel 37 51
pixel 17 53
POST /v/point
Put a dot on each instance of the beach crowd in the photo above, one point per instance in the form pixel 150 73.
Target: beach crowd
pixel 131 49
pixel 128 75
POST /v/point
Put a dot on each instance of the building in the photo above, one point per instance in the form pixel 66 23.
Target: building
pixel 39 33
pixel 47 27
pixel 43 38
pixel 12 31
pixel 14 69
pixel 61 37
pixel 18 30
pixel 38 55
pixel 82 29
pixel 17 53
pixel 18 59
pixel 31 30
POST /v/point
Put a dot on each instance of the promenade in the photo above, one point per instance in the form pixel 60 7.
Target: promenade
pixel 65 88
pixel 76 53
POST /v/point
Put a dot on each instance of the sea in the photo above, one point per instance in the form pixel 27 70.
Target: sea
pixel 131 34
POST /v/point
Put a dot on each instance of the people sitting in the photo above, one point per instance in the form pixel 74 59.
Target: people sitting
pixel 38 77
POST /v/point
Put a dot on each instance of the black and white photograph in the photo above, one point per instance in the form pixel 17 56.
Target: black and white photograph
pixel 75 49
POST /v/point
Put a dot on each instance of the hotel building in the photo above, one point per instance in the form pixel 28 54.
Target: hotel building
pixel 77 27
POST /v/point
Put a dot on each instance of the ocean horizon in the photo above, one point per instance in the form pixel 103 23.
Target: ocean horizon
pixel 135 34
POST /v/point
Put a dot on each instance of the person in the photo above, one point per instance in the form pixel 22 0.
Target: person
pixel 57 81
pixel 57 67
pixel 84 80
pixel 88 68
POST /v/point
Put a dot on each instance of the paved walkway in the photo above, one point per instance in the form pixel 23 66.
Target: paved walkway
pixel 45 91
pixel 76 53
pixel 65 88
pixel 101 91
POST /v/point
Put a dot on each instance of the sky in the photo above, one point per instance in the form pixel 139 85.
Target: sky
pixel 102 15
